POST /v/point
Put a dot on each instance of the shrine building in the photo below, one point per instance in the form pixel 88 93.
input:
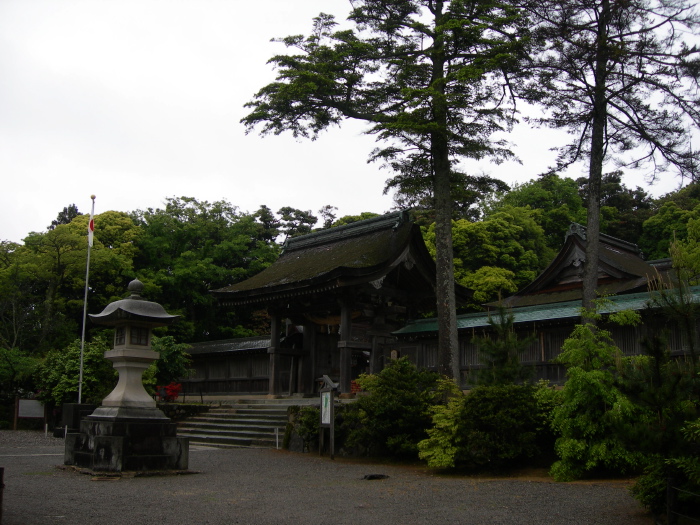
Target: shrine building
pixel 345 300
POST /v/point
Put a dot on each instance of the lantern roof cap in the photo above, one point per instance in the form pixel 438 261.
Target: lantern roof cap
pixel 134 308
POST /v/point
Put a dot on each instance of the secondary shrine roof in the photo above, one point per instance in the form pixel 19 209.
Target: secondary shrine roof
pixel 621 269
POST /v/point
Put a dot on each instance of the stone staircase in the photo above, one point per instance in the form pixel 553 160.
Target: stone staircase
pixel 245 423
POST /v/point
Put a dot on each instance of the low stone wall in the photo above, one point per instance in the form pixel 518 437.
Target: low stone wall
pixel 177 411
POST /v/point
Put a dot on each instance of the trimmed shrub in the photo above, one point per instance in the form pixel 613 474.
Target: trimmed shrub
pixel 491 426
pixel 393 415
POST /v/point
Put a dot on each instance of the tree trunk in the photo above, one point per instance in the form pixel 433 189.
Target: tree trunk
pixel 448 349
pixel 448 355
pixel 595 171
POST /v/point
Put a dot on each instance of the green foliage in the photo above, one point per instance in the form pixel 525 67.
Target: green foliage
pixel 349 219
pixel 306 424
pixel 489 282
pixel 42 282
pixel 393 415
pixel 191 247
pixel 667 390
pixel 65 216
pixel 594 413
pixel 498 255
pixel 445 438
pixel 650 489
pixel 623 210
pixel 689 465
pixel 668 224
pixel 467 191
pixel 295 222
pixel 557 200
pixel 490 426
pixel 172 365
pixel 328 216
pixel 16 371
pixel 501 350
pixel 58 375
pixel 21 298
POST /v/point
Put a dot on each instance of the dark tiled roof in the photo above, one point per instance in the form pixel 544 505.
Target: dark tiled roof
pixel 573 294
pixel 333 258
pixel 621 266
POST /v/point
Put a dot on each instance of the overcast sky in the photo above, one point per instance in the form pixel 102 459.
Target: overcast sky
pixel 138 100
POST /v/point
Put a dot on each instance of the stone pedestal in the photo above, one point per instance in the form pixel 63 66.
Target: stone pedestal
pixel 114 439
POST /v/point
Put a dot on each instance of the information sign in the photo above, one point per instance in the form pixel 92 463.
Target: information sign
pixel 31 408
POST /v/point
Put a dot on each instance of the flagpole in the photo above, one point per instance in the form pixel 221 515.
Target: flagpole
pixel 91 229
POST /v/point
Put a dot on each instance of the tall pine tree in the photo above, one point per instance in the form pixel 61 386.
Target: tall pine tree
pixel 620 77
pixel 429 77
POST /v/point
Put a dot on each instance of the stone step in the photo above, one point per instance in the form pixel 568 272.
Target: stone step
pixel 242 418
pixel 243 422
pixel 282 402
pixel 251 414
pixel 263 412
pixel 220 441
pixel 231 437
pixel 232 433
pixel 204 425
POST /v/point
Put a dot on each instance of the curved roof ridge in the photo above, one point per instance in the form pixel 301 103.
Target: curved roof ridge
pixel 389 220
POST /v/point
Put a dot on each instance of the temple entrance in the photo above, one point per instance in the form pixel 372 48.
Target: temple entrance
pixel 349 288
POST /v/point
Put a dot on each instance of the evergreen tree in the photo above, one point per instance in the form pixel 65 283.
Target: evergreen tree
pixel 427 77
pixel 501 352
pixel 621 78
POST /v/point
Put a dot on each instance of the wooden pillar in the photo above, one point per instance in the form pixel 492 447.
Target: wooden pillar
pixel 375 355
pixel 308 362
pixel 345 348
pixel 378 338
pixel 293 375
pixel 274 351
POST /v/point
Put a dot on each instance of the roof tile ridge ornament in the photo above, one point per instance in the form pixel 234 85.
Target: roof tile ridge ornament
pixel 576 229
pixel 580 230
pixel 389 220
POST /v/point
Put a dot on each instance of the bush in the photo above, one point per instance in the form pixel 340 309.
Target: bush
pixel 501 352
pixel 491 426
pixel 172 365
pixel 594 416
pixel 394 414
pixel 304 422
pixel 651 488
pixel 59 373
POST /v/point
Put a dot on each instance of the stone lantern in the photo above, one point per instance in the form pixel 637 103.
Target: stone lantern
pixel 128 431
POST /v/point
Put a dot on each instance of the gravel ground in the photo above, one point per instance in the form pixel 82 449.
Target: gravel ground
pixel 269 487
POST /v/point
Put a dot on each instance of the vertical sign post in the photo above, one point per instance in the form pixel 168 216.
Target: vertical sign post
pixel 327 419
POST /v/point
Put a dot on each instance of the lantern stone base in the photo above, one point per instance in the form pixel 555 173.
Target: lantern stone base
pixel 120 439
